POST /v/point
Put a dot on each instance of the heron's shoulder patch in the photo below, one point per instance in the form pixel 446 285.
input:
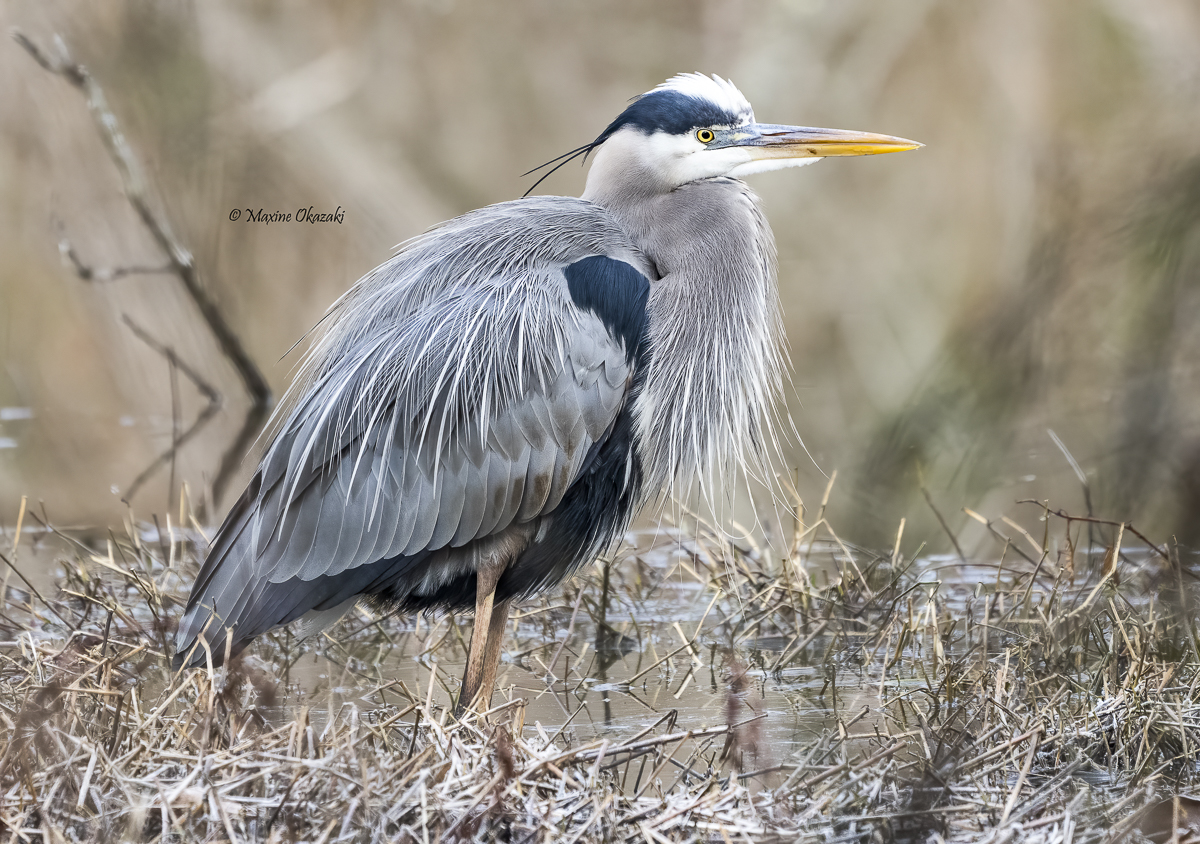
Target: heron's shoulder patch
pixel 616 293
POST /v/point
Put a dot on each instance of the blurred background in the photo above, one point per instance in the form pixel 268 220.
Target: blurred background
pixel 1035 268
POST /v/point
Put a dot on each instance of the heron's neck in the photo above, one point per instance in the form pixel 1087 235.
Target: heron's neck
pixel 716 335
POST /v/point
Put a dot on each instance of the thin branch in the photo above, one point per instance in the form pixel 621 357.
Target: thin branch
pixel 177 442
pixel 987 523
pixel 962 558
pixel 231 460
pixel 103 274
pixel 1092 520
pixel 181 263
pixel 207 390
pixel 567 638
pixel 33 590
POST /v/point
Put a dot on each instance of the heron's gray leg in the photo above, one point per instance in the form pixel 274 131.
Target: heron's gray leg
pixel 487 576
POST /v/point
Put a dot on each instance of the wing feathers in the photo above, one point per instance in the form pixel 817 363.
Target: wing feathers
pixel 475 501
pixel 453 479
pixel 422 429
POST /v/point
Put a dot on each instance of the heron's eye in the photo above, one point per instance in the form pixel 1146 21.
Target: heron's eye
pixel 705 136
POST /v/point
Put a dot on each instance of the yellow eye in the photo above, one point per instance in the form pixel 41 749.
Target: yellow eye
pixel 705 136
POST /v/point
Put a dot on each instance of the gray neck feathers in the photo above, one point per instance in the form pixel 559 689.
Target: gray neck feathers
pixel 707 409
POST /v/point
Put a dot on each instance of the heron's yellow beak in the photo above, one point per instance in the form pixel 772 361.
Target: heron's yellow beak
pixel 765 140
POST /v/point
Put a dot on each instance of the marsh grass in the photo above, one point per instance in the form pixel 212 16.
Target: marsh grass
pixel 1052 695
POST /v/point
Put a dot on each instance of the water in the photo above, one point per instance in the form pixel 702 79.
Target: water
pixel 612 682
pixel 664 644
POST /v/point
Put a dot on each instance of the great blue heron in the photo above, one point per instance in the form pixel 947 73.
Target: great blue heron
pixel 486 411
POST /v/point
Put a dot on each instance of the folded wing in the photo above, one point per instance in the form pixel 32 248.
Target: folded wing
pixel 472 414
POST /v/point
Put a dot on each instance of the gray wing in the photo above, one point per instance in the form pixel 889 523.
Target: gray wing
pixel 424 482
pixel 475 413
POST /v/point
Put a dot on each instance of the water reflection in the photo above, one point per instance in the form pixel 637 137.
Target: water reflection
pixel 677 650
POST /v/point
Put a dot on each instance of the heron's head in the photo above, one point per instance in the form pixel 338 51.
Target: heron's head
pixel 695 127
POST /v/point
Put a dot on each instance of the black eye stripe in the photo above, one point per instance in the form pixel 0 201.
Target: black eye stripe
pixel 671 112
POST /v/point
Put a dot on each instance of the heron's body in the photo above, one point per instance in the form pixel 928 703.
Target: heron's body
pixel 487 410
pixel 397 471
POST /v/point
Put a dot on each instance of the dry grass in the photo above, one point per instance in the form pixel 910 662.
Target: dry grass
pixel 1055 699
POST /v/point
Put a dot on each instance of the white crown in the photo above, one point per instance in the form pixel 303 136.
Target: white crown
pixel 720 92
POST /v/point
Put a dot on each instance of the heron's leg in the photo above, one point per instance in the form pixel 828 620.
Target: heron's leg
pixel 491 655
pixel 486 578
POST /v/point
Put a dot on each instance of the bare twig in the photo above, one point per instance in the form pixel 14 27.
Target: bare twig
pixel 962 558
pixel 1091 520
pixel 987 523
pixel 103 274
pixel 180 440
pixel 180 261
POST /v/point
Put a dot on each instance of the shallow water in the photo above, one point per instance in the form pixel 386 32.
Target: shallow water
pixel 670 647
pixel 614 686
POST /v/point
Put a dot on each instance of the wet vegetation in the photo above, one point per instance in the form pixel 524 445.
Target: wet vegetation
pixel 1033 267
pixel 688 689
